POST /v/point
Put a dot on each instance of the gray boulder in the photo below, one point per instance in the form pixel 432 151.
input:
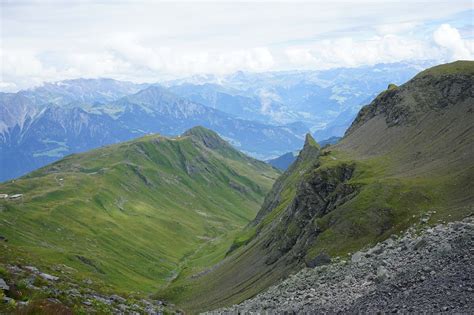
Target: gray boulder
pixel 356 257
pixel 3 285
pixel 48 277
pixel 382 274
pixel 32 269
pixel 118 299
pixel 320 260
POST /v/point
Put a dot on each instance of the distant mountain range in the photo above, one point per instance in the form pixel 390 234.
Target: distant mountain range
pixel 264 114
pixel 284 161
pixel 326 101
pixel 39 128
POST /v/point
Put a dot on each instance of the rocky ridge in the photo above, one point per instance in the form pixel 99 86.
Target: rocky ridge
pixel 427 269
pixel 425 92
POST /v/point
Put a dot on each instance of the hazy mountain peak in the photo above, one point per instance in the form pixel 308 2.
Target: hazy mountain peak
pixel 154 92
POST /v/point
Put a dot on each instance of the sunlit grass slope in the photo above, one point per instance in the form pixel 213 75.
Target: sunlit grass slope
pixel 135 214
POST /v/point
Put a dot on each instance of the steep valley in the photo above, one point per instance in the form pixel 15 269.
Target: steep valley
pixel 132 217
pixel 409 152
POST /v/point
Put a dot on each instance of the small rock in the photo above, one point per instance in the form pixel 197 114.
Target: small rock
pixel 356 257
pixel 382 274
pixel 420 244
pixel 151 310
pixel 117 298
pixel 87 281
pixel 377 250
pixel 122 307
pixel 3 285
pixel 74 292
pixel 444 248
pixel 102 300
pixel 48 277
pixel 145 302
pixel 32 269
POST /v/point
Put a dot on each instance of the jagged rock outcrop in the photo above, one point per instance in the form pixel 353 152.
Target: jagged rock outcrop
pixel 317 195
pixel 306 158
pixel 316 192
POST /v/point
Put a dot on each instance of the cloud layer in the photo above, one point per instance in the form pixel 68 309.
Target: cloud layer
pixel 150 41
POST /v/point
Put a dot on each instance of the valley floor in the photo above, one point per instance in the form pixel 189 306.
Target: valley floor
pixel 427 270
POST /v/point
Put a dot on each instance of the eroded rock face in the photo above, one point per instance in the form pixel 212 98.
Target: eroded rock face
pixel 308 155
pixel 316 196
pixel 402 105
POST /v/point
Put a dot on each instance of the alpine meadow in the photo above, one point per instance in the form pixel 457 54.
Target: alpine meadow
pixel 236 158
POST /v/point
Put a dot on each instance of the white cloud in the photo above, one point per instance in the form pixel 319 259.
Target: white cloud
pixel 267 98
pixel 20 63
pixel 449 38
pixel 300 56
pixel 395 28
pixel 165 59
pixel 149 41
pixel 448 45
pixel 347 52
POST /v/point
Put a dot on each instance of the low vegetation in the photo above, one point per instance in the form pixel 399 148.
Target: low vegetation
pixel 135 216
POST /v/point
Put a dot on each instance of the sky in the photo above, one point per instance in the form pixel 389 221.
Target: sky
pixel 149 41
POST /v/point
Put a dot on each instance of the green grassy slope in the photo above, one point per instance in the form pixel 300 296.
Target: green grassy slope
pixel 239 275
pixel 409 152
pixel 456 67
pixel 135 215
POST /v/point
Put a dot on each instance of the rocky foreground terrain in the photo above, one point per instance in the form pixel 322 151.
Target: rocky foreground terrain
pixel 28 290
pixel 428 269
